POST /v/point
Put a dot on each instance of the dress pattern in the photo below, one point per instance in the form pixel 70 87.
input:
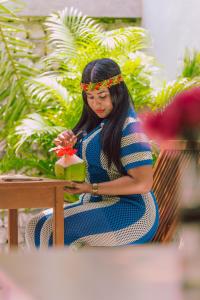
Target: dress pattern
pixel 105 220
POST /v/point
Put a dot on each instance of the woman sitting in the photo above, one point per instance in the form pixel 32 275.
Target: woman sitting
pixel 116 206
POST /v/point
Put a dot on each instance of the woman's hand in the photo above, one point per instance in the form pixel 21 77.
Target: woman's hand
pixel 77 188
pixel 66 138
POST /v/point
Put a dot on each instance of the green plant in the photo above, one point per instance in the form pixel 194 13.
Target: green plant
pixel 54 96
pixel 16 67
pixel 191 64
pixel 39 102
pixel 165 94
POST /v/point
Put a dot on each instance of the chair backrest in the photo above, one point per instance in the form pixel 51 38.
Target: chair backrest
pixel 170 166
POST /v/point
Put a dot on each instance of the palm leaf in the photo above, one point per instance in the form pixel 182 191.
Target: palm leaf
pixel 128 38
pixel 169 90
pixel 68 30
pixel 191 64
pixel 34 124
pixel 46 88
pixel 15 66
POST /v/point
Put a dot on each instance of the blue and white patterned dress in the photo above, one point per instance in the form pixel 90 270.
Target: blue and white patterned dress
pixel 105 220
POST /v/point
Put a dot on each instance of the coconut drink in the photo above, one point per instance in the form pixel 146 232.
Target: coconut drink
pixel 69 167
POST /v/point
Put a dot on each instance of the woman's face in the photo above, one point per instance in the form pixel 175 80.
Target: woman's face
pixel 100 102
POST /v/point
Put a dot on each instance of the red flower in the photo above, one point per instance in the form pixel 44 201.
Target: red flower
pixel 181 118
pixel 65 151
pixel 97 86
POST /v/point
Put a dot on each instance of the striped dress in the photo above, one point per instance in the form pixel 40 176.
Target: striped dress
pixel 105 220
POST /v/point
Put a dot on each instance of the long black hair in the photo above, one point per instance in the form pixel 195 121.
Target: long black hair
pixel 96 71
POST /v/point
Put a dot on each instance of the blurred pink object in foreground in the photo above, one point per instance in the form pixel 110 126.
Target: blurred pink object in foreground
pixel 9 290
pixel 179 120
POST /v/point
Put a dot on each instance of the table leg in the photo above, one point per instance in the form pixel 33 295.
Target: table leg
pixel 13 228
pixel 58 218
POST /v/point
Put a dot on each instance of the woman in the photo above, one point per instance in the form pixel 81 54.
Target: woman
pixel 116 206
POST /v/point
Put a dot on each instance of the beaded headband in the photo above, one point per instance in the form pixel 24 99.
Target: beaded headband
pixel 98 85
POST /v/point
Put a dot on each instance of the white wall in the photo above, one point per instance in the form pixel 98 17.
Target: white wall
pixel 94 8
pixel 173 25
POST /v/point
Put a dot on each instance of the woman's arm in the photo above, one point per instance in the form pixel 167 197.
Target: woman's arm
pixel 138 181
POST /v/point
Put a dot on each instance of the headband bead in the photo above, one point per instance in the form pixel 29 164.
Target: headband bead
pixel 91 86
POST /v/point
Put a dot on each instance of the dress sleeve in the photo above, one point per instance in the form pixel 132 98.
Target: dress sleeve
pixel 135 148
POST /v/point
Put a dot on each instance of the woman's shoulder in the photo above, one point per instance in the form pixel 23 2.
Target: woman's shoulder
pixel 131 118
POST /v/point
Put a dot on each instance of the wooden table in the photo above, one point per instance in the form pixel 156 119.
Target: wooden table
pixel 33 193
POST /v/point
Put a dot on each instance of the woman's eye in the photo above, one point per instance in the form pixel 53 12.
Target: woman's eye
pixel 101 97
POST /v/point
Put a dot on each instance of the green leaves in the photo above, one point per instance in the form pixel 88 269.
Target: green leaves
pixel 76 39
pixel 34 124
pixel 128 38
pixel 68 31
pixel 15 67
pixel 36 104
pixel 37 101
pixel 191 64
pixel 44 89
pixel 163 96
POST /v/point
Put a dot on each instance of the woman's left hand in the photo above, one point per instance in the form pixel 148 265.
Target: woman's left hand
pixel 77 188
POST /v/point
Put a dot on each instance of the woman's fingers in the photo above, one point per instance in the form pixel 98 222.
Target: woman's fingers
pixel 57 142
pixel 66 138
pixel 69 137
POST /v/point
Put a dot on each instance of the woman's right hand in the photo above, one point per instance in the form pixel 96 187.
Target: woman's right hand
pixel 66 138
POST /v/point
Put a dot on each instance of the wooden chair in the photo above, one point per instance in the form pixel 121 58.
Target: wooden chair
pixel 171 164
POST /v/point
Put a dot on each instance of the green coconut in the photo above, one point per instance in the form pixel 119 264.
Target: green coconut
pixel 70 168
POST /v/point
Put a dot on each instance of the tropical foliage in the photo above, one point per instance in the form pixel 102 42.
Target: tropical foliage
pixel 190 77
pixel 38 102
pixel 51 98
pixel 16 67
pixel 191 64
pixel 169 90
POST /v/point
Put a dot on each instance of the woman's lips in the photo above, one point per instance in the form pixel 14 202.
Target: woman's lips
pixel 100 111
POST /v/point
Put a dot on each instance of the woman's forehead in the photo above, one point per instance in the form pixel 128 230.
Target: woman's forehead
pixel 98 92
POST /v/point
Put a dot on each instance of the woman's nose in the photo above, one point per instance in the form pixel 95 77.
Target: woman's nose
pixel 97 101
